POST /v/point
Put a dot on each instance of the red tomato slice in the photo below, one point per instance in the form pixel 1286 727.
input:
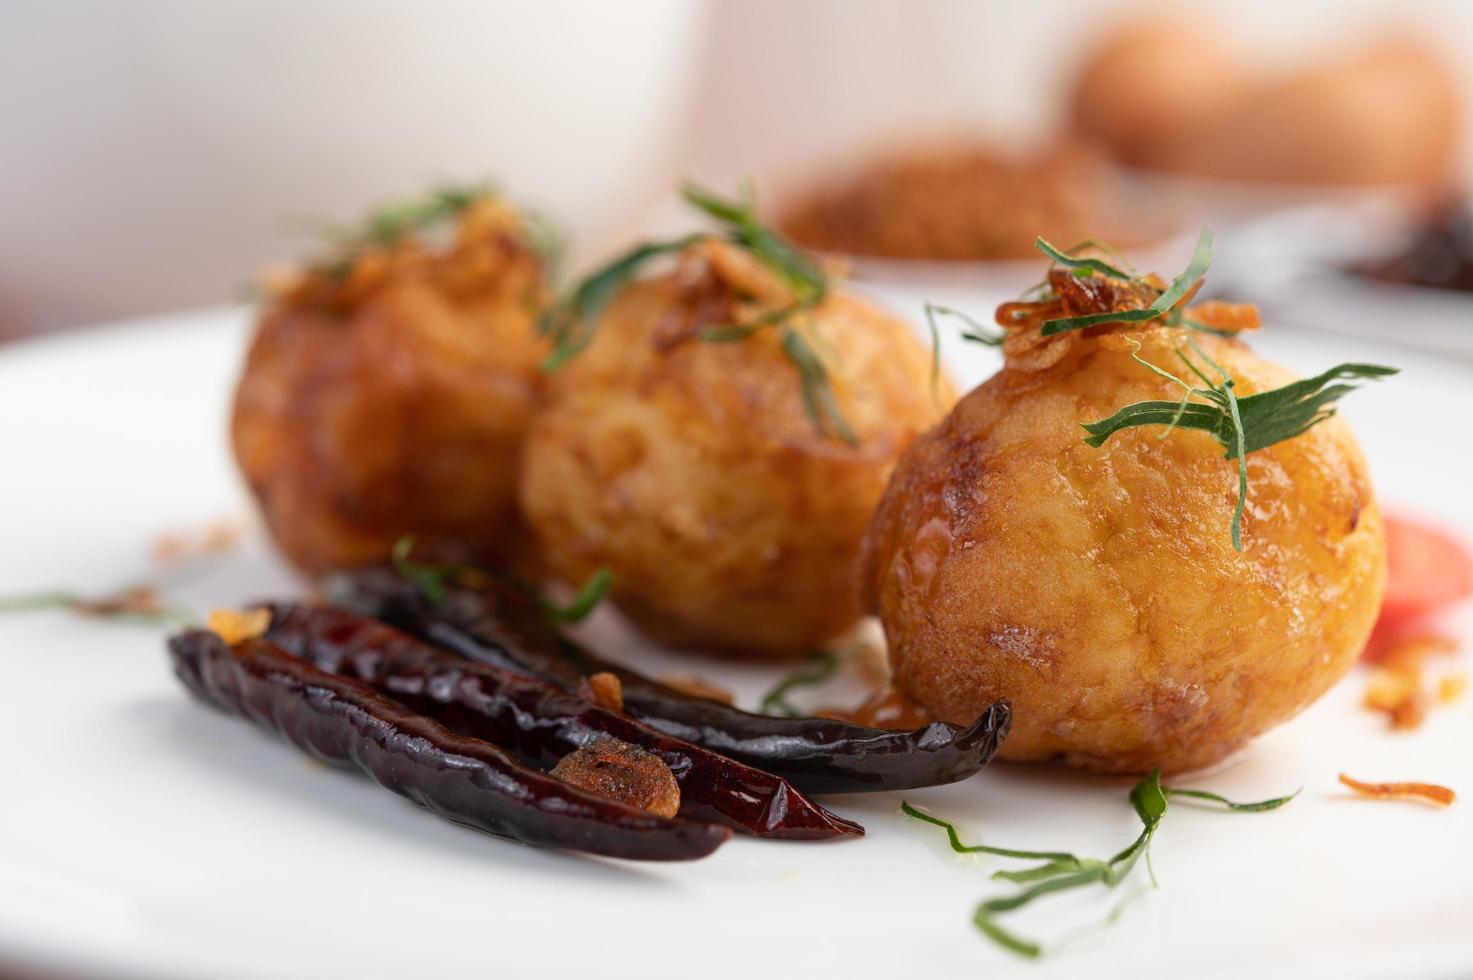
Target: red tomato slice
pixel 1426 570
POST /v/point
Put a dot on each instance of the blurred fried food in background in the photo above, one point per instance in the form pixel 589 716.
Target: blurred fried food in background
pixel 1172 96
pixel 962 201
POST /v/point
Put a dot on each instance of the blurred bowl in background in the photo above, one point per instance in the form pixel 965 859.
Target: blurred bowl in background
pixel 157 153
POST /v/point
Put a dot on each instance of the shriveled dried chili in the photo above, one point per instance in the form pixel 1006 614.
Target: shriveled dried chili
pixel 540 722
pixel 466 780
pixel 498 624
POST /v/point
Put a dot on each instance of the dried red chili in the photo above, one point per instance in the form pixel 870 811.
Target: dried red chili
pixel 498 624
pixel 465 780
pixel 539 722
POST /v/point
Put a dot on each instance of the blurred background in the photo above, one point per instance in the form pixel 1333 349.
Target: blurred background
pixel 156 155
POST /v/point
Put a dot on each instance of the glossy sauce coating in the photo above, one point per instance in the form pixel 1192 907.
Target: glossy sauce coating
pixel 502 626
pixel 539 722
pixel 464 780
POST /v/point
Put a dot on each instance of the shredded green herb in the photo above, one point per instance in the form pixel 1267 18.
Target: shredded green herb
pixel 817 668
pixel 1061 871
pixel 584 602
pixel 802 275
pixel 1260 806
pixel 978 334
pixel 1240 425
pixel 548 240
pixel 571 321
pixel 1161 306
pixel 56 599
pixel 1085 266
pixel 818 394
pixel 386 225
pixel 954 838
pixel 139 603
pixel 430 579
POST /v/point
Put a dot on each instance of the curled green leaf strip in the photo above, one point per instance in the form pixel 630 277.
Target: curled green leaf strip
pixel 1062 871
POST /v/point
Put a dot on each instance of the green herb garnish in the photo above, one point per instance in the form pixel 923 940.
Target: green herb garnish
pixel 1062 871
pixel 802 275
pixel 978 334
pixel 548 241
pixel 140 603
pixel 32 602
pixel 388 224
pixel 818 394
pixel 1260 806
pixel 571 321
pixel 384 227
pixel 819 667
pixel 1160 307
pixel 1240 425
pixel 584 602
pixel 1086 266
pixel 1060 857
pixel 432 581
pixel 429 579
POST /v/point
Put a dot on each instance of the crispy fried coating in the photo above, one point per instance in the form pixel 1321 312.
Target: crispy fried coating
pixel 1170 94
pixel 960 201
pixel 1388 114
pixel 693 470
pixel 1147 80
pixel 1098 589
pixel 391 397
pixel 623 772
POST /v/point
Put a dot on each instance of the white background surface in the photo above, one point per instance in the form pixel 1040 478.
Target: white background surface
pixel 143 835
pixel 156 153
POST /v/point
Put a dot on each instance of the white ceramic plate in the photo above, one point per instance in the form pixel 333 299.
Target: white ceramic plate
pixel 142 835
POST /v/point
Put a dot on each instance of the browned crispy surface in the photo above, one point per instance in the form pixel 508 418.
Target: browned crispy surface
pixel 1099 589
pixel 622 772
pixel 958 202
pixel 694 472
pixel 393 398
pixel 1170 94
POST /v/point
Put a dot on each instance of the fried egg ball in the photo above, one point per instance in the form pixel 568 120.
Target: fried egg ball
pixel 694 471
pixel 1148 80
pixel 1099 589
pixel 1388 114
pixel 390 396
pixel 1168 94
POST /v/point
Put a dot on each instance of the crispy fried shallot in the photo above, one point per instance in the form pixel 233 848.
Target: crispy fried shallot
pixel 1419 792
pixel 1072 295
pixel 1397 684
pixel 234 626
pixel 619 771
pixel 603 689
